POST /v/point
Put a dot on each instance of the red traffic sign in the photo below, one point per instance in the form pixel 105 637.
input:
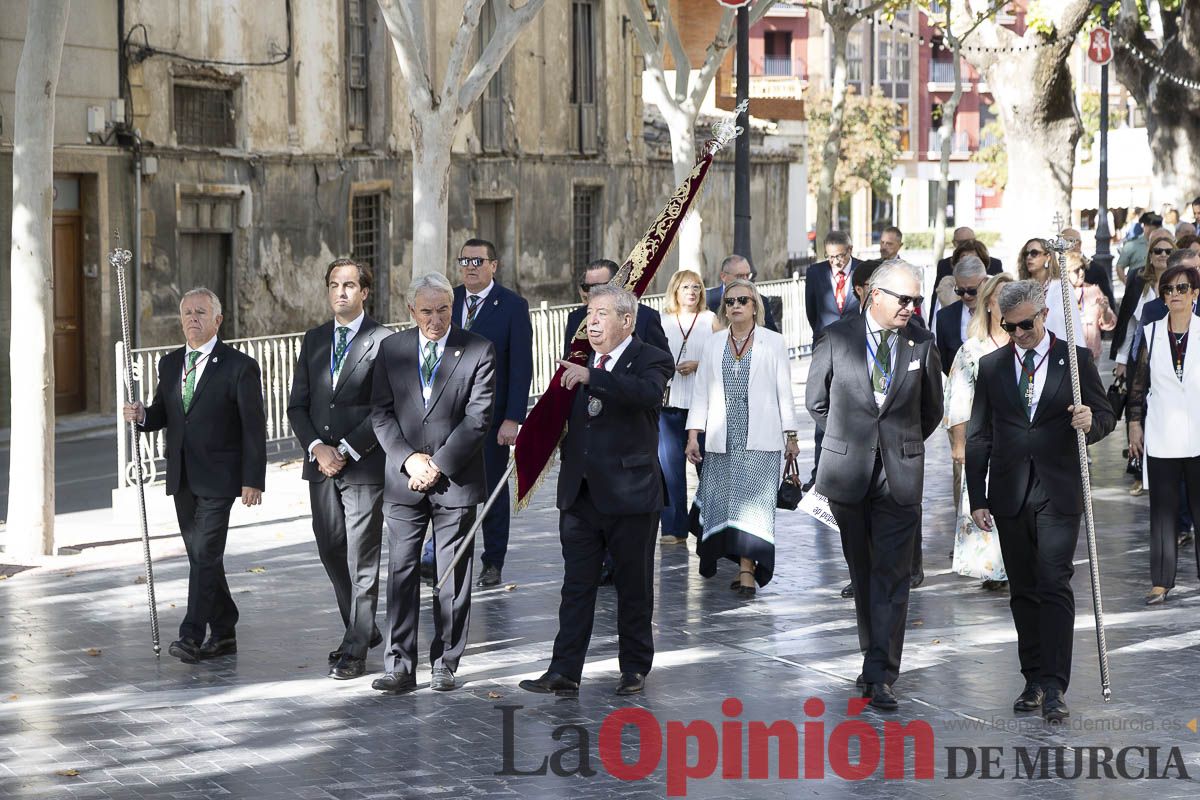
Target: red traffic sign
pixel 1100 46
pixel 735 3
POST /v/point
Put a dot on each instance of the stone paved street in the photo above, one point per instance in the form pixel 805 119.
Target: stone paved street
pixel 87 711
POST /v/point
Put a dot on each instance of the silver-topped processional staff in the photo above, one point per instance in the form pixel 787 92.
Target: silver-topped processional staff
pixel 1060 246
pixel 119 258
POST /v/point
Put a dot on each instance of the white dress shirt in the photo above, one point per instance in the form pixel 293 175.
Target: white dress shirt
pixel 967 313
pixel 614 355
pixel 354 325
pixel 427 391
pixel 674 325
pixel 1056 315
pixel 874 337
pixel 482 295
pixel 205 351
pixel 1039 377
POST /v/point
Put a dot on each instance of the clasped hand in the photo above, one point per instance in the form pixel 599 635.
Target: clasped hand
pixel 422 472
pixel 329 460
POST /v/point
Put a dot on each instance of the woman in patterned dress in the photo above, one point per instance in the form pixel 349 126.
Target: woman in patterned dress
pixel 746 368
pixel 976 551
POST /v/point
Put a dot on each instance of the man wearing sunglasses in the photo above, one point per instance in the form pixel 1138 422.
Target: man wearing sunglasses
pixel 647 326
pixel 1023 477
pixel 878 405
pixel 952 321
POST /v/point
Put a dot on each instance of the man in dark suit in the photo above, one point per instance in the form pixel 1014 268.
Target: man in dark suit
pixel 875 386
pixel 946 266
pixel 1023 469
pixel 951 328
pixel 209 398
pixel 610 490
pixel 330 412
pixel 434 386
pixel 500 315
pixel 733 268
pixel 648 326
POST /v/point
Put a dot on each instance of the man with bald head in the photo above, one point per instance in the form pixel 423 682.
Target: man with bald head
pixel 964 234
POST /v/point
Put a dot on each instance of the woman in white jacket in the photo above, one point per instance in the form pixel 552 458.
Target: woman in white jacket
pixel 746 368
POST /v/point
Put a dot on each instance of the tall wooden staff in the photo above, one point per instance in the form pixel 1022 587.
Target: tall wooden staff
pixel 1060 246
pixel 119 258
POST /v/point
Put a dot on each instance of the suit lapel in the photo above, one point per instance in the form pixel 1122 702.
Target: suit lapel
pixel 626 359
pixel 451 356
pixel 1008 377
pixel 360 345
pixel 211 365
pixel 860 360
pixel 902 355
pixel 1056 368
pixel 488 305
pixel 322 356
pixel 410 364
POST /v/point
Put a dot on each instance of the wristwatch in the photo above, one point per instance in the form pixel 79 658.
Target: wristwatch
pixel 343 450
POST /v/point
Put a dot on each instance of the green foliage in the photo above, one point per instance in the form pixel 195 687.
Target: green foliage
pixel 1037 19
pixel 870 141
pixel 1089 112
pixel 993 157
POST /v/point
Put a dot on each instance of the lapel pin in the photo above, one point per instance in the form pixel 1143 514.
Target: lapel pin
pixel 214 359
pixel 1061 362
pixel 496 302
pixel 456 352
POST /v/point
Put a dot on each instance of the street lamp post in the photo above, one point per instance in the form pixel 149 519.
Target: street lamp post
pixel 1103 255
pixel 741 155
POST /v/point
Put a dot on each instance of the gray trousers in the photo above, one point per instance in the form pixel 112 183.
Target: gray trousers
pixel 347 521
pixel 451 608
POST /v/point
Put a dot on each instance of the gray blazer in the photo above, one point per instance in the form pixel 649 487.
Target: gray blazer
pixel 840 398
pixel 320 411
pixel 451 429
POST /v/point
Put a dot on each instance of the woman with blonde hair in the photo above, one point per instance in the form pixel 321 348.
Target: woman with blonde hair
pixel 688 325
pixel 976 551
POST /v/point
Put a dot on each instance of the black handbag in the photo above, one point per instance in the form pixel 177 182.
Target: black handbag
pixel 790 493
pixel 1118 394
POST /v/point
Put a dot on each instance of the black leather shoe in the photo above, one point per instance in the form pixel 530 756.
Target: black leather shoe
pixel 1030 699
pixel 186 650
pixel 552 683
pixel 848 590
pixel 1054 707
pixel 631 683
pixel 218 647
pixel 376 640
pixel 428 572
pixel 882 696
pixel 860 682
pixel 348 667
pixel 916 580
pixel 489 577
pixel 394 683
pixel 442 679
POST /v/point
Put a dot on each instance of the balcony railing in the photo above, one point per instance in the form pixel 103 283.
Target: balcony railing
pixel 779 67
pixel 943 72
pixel 960 142
pixel 276 357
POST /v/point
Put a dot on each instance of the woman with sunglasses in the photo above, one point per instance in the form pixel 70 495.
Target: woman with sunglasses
pixel 1164 420
pixel 746 368
pixel 1141 287
pixel 1037 263
pixel 1094 311
pixel 689 325
pixel 976 551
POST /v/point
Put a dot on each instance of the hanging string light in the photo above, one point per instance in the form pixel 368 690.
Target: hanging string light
pixel 1164 73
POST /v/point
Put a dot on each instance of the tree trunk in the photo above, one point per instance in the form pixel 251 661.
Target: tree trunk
pixel 432 142
pixel 949 111
pixel 31 352
pixel 689 245
pixel 831 153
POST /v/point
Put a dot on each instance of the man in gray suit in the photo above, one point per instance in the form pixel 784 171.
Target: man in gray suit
pixel 330 412
pixel 432 398
pixel 875 386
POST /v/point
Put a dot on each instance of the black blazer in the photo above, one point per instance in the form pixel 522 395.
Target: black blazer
pixel 713 297
pixel 949 333
pixel 841 400
pixel 319 412
pixel 1134 285
pixel 503 319
pixel 220 444
pixel 819 302
pixel 451 429
pixel 1048 440
pixel 616 452
pixel 944 268
pixel 647 326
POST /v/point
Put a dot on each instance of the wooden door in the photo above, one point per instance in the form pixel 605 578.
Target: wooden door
pixel 69 390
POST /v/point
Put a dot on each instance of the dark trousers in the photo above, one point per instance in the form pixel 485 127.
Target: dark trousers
pixel 495 521
pixel 1038 546
pixel 672 440
pixel 347 521
pixel 204 525
pixel 585 533
pixel 878 539
pixel 451 607
pixel 1164 475
pixel 818 437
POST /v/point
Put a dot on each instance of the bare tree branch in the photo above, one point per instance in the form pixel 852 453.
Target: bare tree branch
pixel 759 9
pixel 461 48
pixel 507 32
pixel 715 55
pixel 410 49
pixel 670 33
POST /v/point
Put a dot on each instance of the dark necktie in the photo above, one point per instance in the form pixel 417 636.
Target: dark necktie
pixel 602 361
pixel 429 362
pixel 882 368
pixel 472 306
pixel 1026 384
pixel 339 352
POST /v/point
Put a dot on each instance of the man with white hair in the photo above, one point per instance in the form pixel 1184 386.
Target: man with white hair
pixel 952 321
pixel 878 406
pixel 209 398
pixel 432 407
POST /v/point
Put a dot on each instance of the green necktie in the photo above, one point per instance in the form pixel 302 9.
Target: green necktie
pixel 882 368
pixel 339 352
pixel 472 306
pixel 189 380
pixel 1025 386
pixel 429 362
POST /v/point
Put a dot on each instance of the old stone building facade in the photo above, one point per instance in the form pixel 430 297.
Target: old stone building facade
pixel 273 136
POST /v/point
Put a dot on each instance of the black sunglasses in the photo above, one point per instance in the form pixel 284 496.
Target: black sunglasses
pixel 1179 288
pixel 961 292
pixel 904 299
pixel 741 300
pixel 586 287
pixel 1025 325
pixel 1029 253
pixel 473 262
pixel 1162 251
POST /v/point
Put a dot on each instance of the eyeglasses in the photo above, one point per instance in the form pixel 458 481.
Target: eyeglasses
pixel 741 300
pixel 961 292
pixel 1162 251
pixel 1025 325
pixel 1029 253
pixel 586 287
pixel 473 262
pixel 1179 288
pixel 905 300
